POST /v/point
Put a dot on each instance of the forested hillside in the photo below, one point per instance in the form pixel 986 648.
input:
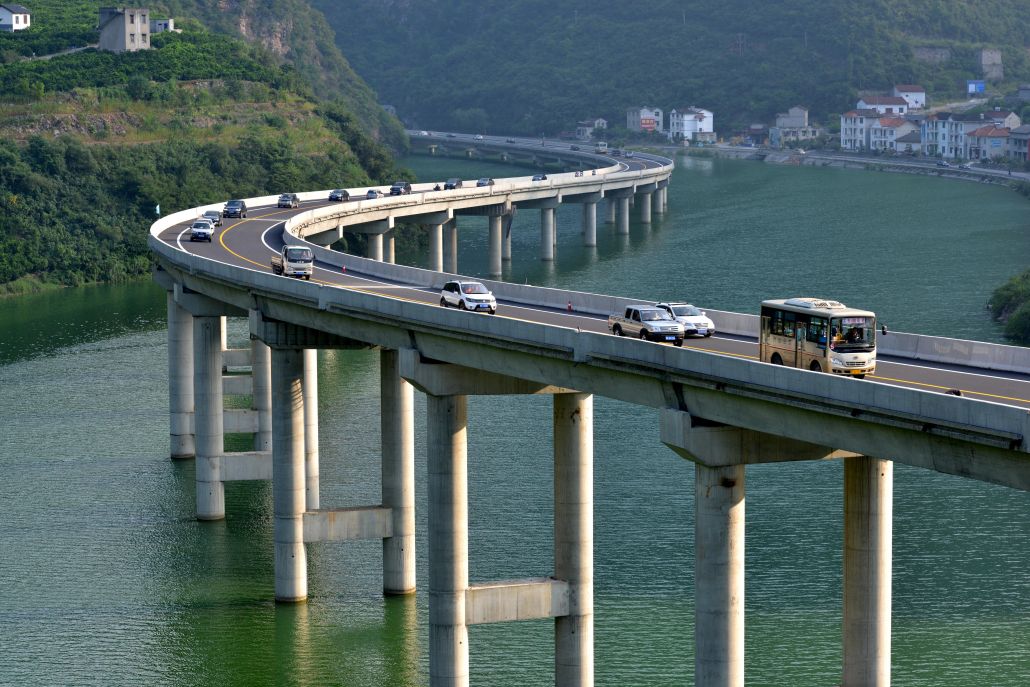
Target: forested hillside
pixel 92 143
pixel 527 66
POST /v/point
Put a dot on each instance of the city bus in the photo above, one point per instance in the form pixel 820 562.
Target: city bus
pixel 818 334
pixel 601 147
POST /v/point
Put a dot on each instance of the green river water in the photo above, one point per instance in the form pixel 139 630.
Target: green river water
pixel 106 578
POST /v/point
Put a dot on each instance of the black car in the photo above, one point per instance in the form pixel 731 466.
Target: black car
pixel 339 194
pixel 450 135
pixel 235 208
pixel 400 188
pixel 509 140
pixel 573 147
pixel 539 177
pixel 485 181
pixel 451 184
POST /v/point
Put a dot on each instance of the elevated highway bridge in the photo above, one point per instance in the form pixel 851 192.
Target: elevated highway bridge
pixel 717 407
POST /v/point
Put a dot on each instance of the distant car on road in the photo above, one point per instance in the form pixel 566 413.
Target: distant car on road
pixel 339 194
pixel 214 215
pixel 451 184
pixel 373 193
pixel 400 188
pixel 423 133
pixel 479 137
pixel 485 181
pixel 943 163
pixel 201 230
pixel 289 200
pixel 468 295
pixel 965 165
pixel 509 140
pixel 235 208
pixel 539 177
pixel 573 147
pixel 450 135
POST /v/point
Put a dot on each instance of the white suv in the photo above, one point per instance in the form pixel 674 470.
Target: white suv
pixel 695 322
pixel 468 295
pixel 201 230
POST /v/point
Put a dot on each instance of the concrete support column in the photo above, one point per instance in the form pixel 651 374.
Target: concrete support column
pixel 389 250
pixel 374 248
pixel 645 207
pixel 589 224
pixel 261 371
pixel 311 428
pixel 612 207
pixel 657 207
pixel 436 247
pixel 225 332
pixel 665 199
pixel 719 576
pixel 547 234
pixel 496 242
pixel 448 540
pixel 451 246
pixel 574 537
pixel 397 418
pixel 291 574
pixel 207 385
pixel 868 529
pixel 624 215
pixel 180 380
pixel 506 248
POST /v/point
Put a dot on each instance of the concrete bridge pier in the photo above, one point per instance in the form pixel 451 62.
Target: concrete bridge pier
pixel 623 225
pixel 665 199
pixel 450 246
pixel 374 247
pixel 397 422
pixel 506 247
pixel 447 447
pixel 310 388
pixel 389 251
pixel 645 206
pixel 611 210
pixel 574 537
pixel 436 247
pixel 547 237
pixel 261 399
pixel 210 438
pixel 589 224
pixel 180 380
pixel 288 483
pixel 868 514
pixel 496 244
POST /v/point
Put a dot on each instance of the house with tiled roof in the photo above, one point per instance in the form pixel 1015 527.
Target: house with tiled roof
pixel 1005 118
pixel 914 95
pixel 644 119
pixel 912 142
pixel 1018 144
pixel 944 133
pixel 884 104
pixel 124 29
pixel 986 142
pixel 14 17
pixel 854 128
pixel 885 131
pixel 693 124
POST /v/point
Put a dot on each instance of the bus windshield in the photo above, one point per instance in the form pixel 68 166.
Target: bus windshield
pixel 853 333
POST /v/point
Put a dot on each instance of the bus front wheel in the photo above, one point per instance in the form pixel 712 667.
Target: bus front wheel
pixel 776 359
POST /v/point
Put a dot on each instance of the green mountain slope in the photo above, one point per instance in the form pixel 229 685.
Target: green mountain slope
pixel 527 66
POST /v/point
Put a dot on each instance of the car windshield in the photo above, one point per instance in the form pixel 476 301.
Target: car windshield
pixel 299 254
pixel 234 203
pixel 686 311
pixel 200 225
pixel 211 213
pixel 654 315
pixel 473 289
pixel 853 333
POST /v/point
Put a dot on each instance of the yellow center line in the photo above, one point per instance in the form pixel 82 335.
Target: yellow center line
pixel 948 388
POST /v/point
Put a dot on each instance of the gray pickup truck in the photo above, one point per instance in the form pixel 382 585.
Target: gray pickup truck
pixel 646 322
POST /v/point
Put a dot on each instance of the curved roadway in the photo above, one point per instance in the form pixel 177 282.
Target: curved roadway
pixel 252 241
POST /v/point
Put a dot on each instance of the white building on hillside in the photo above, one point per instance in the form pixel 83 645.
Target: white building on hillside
pixel 14 18
pixel 124 29
pixel 914 95
pixel 854 128
pixel 884 104
pixel 692 124
pixel 644 119
pixel 884 132
pixel 585 129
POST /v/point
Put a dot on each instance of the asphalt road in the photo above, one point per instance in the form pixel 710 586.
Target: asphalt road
pixel 251 242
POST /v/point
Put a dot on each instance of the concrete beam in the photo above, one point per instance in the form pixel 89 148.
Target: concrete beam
pixel 326 238
pixel 236 357
pixel 593 197
pixel 344 524
pixel 540 203
pixel 199 305
pixel 377 227
pixel 436 217
pixel 528 599
pixel 237 385
pixel 443 379
pixel 239 421
pixel 715 445
pixel 496 210
pixel 279 334
pixel 246 465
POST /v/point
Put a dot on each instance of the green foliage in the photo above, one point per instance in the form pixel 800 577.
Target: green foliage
pixel 531 66
pixel 1010 303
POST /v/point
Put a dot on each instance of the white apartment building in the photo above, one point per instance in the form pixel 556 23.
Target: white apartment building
pixel 884 132
pixel 854 128
pixel 692 124
pixel 914 95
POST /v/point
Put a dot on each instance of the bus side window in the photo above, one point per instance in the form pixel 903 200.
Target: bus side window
pixel 817 330
pixel 788 325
